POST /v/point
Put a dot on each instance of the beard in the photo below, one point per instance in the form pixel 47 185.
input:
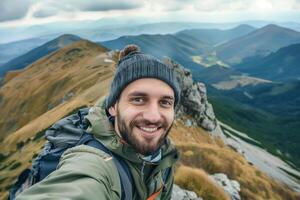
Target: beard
pixel 142 146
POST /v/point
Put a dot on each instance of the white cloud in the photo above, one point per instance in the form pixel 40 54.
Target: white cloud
pixel 35 11
pixel 91 5
pixel 13 9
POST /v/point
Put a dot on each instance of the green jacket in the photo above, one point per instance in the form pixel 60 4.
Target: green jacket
pixel 85 172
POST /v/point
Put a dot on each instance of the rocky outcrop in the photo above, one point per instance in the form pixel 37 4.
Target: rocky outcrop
pixel 193 98
pixel 232 187
pixel 181 194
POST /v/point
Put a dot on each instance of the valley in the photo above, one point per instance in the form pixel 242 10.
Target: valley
pixel 261 158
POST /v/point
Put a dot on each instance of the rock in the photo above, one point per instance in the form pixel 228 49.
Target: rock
pixel 232 187
pixel 193 98
pixel 188 123
pixel 111 54
pixel 181 194
pixel 207 124
pixel 217 132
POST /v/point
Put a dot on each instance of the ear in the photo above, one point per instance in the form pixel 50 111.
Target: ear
pixel 112 110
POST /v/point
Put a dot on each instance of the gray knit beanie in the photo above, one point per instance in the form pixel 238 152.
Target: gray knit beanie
pixel 134 65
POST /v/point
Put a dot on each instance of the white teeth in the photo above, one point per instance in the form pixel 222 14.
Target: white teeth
pixel 148 129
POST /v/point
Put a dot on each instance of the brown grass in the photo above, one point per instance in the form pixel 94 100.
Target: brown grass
pixel 11 74
pixel 51 81
pixel 199 181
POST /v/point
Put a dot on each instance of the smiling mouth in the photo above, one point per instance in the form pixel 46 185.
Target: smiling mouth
pixel 149 130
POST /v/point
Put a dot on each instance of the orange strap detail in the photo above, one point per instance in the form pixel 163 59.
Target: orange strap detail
pixel 123 141
pixel 155 194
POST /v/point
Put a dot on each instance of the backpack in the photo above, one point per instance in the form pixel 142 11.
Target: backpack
pixel 64 134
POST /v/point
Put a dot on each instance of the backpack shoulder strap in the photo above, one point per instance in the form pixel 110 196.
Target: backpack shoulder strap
pixel 165 175
pixel 123 169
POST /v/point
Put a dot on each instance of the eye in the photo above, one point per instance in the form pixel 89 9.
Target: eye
pixel 166 103
pixel 137 100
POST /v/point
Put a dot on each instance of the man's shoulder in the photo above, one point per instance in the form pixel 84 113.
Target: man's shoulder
pixel 88 161
pixel 82 171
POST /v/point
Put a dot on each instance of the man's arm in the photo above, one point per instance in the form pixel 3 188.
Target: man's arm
pixel 83 173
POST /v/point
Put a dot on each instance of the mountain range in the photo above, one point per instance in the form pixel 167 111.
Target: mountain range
pixel 214 37
pixel 213 46
pixel 107 28
pixel 189 47
pixel 186 47
pixel 37 35
pixel 198 48
pixel 260 42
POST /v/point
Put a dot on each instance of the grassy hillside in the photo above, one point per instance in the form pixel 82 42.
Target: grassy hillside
pixel 49 82
pixel 201 151
pixel 215 74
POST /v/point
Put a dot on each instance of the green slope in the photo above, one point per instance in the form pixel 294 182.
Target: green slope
pixel 274 131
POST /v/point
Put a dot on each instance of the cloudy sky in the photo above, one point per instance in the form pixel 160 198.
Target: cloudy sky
pixel 28 12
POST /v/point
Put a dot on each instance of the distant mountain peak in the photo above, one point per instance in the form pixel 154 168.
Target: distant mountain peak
pixel 66 36
pixel 64 40
pixel 244 26
pixel 271 26
pixel 275 28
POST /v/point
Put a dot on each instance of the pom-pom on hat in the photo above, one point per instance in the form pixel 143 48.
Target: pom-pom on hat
pixel 133 65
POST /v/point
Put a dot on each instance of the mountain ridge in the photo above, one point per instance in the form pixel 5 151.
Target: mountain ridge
pixel 267 39
pixel 216 36
pixel 281 65
pixel 38 52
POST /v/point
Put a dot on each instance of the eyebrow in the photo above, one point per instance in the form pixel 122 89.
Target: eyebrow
pixel 143 94
pixel 168 97
pixel 138 94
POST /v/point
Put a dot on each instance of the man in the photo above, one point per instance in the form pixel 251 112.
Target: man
pixel 133 123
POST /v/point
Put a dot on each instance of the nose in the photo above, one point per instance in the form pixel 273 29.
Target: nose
pixel 152 113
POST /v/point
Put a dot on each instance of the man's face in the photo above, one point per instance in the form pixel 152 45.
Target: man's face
pixel 144 114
